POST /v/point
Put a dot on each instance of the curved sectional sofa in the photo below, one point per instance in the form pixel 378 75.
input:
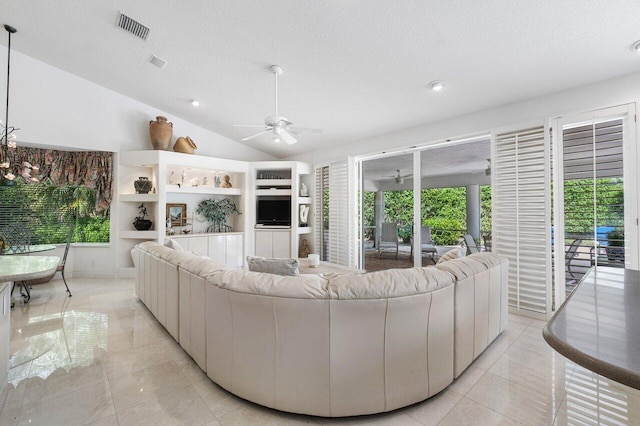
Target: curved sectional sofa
pixel 333 346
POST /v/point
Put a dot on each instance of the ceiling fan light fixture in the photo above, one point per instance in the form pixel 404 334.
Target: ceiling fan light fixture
pixel 436 85
pixel 195 103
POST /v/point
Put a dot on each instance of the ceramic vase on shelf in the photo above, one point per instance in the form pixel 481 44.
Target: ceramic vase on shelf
pixel 185 145
pixel 142 185
pixel 161 133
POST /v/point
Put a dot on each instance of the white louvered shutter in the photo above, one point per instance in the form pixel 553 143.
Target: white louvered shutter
pixel 338 213
pixel 522 218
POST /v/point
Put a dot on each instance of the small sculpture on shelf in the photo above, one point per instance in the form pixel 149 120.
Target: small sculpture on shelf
pixel 216 181
pixel 304 249
pixel 142 224
pixel 226 183
pixel 304 214
pixel 170 230
pixel 142 185
pixel 304 192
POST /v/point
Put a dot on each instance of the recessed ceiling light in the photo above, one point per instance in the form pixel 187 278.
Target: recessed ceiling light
pixel 636 46
pixel 195 103
pixel 436 85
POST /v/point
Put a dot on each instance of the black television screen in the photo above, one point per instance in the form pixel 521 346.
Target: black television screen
pixel 274 211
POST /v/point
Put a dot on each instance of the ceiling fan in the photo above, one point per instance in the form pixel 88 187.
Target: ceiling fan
pixel 399 178
pixel 278 125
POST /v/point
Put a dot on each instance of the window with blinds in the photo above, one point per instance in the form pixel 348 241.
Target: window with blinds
pixel 521 217
pixel 43 213
pixel 336 241
pixel 593 196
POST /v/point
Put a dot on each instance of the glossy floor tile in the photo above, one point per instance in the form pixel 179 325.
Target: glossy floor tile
pixel 101 358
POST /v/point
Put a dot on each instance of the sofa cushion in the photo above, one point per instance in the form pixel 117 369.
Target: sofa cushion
pixel 167 254
pixel 388 283
pixel 301 287
pixel 464 267
pixel 173 244
pixel 451 254
pixel 287 267
pixel 202 267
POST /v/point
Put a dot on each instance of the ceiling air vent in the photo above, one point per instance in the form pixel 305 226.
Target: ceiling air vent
pixel 133 26
pixel 158 62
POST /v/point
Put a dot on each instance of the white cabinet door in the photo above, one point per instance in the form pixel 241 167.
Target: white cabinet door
pixel 198 244
pixel 281 244
pixel 264 243
pixel 218 249
pixel 234 250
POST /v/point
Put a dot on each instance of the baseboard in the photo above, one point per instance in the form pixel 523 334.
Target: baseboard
pixel 126 272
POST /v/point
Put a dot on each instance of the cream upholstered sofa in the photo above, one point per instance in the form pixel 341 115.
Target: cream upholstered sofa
pixel 339 346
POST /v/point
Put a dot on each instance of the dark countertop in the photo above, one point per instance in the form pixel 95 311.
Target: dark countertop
pixel 598 326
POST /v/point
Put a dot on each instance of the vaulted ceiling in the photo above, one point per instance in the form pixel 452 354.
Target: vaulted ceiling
pixel 354 68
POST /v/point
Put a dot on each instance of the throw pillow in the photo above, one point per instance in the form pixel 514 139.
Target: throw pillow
pixel 451 254
pixel 287 267
pixel 171 243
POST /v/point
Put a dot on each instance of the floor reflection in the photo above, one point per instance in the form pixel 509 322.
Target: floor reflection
pixel 101 356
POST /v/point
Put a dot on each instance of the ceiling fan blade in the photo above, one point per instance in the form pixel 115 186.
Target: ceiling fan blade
pixel 406 176
pixel 256 135
pixel 286 136
pixel 249 125
pixel 297 130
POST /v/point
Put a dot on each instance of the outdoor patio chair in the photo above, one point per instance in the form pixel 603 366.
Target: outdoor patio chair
pixel 569 258
pixel 60 267
pixel 388 237
pixel 472 247
pixel 426 242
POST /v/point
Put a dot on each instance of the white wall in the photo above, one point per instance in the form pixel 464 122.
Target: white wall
pixel 58 109
pixel 621 90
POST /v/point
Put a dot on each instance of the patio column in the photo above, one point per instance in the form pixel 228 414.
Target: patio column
pixel 473 210
pixel 378 214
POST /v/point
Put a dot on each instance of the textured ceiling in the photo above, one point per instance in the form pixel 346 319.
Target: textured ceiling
pixel 355 68
pixel 464 158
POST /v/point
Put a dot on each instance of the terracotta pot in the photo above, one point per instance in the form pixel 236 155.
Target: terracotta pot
pixel 161 132
pixel 185 145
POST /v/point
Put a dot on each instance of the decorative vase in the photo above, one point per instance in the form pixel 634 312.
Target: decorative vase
pixel 142 185
pixel 185 145
pixel 142 224
pixel 161 132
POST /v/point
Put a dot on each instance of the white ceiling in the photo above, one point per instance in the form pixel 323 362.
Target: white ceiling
pixel 458 159
pixel 355 68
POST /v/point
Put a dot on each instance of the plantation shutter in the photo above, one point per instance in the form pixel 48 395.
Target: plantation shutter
pixel 521 217
pixel 321 233
pixel 338 213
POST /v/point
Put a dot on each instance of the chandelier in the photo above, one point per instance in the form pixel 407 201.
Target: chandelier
pixel 7 136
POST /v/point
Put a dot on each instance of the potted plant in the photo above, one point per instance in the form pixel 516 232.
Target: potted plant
pixel 615 248
pixel 404 232
pixel 216 213
pixel 142 224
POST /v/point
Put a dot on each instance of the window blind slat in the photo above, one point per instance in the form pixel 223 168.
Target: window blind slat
pixel 521 218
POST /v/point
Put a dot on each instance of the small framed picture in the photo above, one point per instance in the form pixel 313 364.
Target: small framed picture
pixel 177 213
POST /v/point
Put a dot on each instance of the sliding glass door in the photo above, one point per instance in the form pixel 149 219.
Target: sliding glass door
pixel 595 204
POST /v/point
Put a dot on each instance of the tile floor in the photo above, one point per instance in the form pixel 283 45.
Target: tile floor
pixel 100 358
